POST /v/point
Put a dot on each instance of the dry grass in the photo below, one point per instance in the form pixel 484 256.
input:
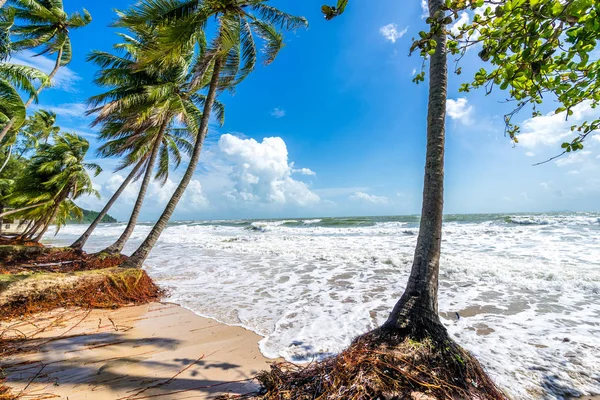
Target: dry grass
pixel 111 288
pixel 55 260
pixel 382 366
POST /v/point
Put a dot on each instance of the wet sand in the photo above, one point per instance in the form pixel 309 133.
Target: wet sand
pixel 152 351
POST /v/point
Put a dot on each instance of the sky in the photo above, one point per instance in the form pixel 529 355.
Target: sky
pixel 336 127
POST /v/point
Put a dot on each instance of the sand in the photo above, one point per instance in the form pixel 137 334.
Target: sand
pixel 153 351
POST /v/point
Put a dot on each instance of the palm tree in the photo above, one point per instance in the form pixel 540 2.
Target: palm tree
pixel 138 114
pixel 54 175
pixel 46 25
pixel 15 77
pixel 12 108
pixel 229 59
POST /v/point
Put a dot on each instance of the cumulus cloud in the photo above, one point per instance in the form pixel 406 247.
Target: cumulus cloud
pixel 460 110
pixel 65 79
pixel 552 129
pixel 261 172
pixel 390 32
pixel 278 112
pixel 369 198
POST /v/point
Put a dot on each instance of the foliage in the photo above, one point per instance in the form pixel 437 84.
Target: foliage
pixel 331 12
pixel 139 102
pixel 38 128
pixel 54 177
pixel 45 24
pixel 537 49
pixel 14 77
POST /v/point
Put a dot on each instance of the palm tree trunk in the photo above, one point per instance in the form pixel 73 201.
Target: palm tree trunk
pixel 10 124
pixel 79 243
pixel 48 222
pixel 418 306
pixel 139 256
pixel 7 158
pixel 23 209
pixel 36 226
pixel 117 247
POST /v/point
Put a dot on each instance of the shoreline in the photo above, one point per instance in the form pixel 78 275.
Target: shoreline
pixel 135 352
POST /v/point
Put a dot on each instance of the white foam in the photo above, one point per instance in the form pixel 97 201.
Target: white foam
pixel 310 289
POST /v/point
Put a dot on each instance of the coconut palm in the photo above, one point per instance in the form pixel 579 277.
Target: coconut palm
pixel 12 109
pixel 55 174
pixel 7 19
pixel 44 25
pixel 139 113
pixel 13 78
pixel 228 60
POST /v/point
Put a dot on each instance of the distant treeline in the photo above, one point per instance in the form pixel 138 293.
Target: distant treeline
pixel 89 217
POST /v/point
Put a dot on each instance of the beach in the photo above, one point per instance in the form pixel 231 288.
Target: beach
pixel 155 350
pixel 520 291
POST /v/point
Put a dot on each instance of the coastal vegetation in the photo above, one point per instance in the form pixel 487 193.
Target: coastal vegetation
pixel 161 86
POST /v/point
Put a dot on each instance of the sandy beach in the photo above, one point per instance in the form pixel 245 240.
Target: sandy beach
pixel 157 350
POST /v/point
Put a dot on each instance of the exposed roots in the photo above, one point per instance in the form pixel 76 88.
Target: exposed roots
pixel 102 289
pixel 5 393
pixel 382 365
pixel 12 241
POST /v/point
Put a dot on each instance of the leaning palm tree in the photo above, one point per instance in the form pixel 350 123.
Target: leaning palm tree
pixel 55 174
pixel 139 114
pixel 228 60
pixel 44 25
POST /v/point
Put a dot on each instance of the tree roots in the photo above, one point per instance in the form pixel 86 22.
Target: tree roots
pixel 385 365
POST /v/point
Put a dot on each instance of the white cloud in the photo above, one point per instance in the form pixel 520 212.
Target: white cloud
pixel 530 154
pixel 460 110
pixel 261 172
pixel 552 129
pixel 390 32
pixel 304 171
pixel 578 157
pixel 65 79
pixel 545 185
pixel 278 112
pixel 424 9
pixel 369 198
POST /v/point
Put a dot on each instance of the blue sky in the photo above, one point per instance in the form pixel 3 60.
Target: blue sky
pixel 336 127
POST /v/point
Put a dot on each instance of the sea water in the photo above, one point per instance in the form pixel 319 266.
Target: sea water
pixel 521 292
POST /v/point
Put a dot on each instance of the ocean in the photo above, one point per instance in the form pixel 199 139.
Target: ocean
pixel 520 291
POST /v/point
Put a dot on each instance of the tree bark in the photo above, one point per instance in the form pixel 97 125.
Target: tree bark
pixel 11 123
pixel 117 246
pixel 7 158
pixel 79 243
pixel 31 231
pixel 139 256
pixel 48 222
pixel 419 303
